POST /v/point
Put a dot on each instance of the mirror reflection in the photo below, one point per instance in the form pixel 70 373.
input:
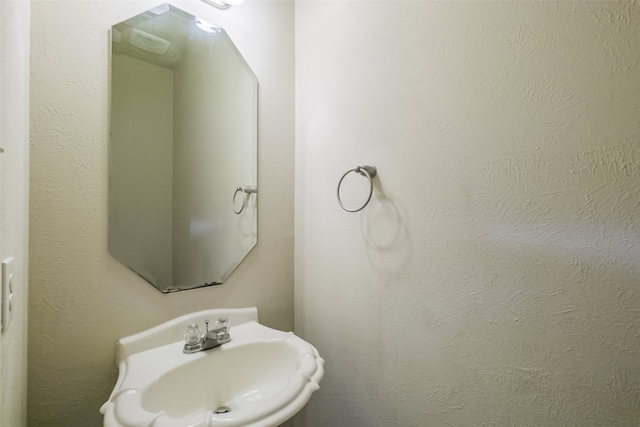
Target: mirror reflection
pixel 183 150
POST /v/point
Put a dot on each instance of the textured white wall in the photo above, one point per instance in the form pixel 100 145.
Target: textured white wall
pixel 493 279
pixel 81 300
pixel 14 202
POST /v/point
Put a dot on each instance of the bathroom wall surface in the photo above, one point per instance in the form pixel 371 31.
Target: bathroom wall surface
pixel 14 203
pixel 493 278
pixel 82 300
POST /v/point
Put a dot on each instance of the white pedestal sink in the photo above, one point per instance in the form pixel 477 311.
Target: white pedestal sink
pixel 261 378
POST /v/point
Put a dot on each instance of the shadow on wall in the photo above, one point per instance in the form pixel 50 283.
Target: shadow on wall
pixel 385 232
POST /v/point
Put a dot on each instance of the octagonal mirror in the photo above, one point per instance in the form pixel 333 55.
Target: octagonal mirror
pixel 183 150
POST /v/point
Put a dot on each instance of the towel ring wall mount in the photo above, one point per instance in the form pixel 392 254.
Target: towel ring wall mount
pixel 368 171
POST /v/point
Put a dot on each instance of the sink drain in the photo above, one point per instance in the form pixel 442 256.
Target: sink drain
pixel 222 410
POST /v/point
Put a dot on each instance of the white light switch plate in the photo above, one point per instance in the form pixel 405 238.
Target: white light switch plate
pixel 7 292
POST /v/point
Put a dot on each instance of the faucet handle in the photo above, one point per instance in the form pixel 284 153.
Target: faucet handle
pixel 192 334
pixel 223 323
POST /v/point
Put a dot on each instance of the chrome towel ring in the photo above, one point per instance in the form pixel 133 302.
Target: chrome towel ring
pixel 368 171
pixel 245 190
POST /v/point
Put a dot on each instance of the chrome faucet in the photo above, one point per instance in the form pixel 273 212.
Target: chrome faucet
pixel 195 342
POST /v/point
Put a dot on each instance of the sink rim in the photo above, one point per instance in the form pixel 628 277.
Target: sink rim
pixel 172 330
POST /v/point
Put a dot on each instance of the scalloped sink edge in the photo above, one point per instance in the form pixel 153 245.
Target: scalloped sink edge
pixel 263 375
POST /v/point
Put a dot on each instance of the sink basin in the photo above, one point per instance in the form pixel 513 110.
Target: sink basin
pixel 261 378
